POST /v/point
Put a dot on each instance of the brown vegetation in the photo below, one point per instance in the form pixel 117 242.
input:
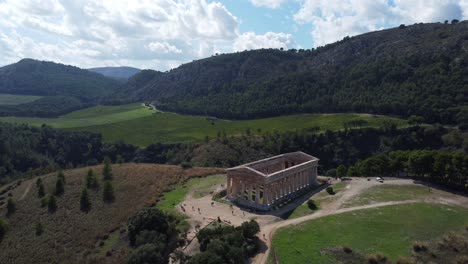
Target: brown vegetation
pixel 72 236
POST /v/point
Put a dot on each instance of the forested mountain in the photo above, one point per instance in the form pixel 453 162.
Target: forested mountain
pixel 66 88
pixel 120 73
pixel 420 69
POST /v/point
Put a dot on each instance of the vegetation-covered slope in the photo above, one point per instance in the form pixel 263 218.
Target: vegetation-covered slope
pixel 410 70
pixel 72 236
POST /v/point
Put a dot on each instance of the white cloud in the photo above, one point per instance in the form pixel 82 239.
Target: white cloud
pixel 331 20
pixel 268 3
pixel 163 47
pixel 250 40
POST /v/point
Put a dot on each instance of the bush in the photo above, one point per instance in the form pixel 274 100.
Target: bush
pixel 186 165
pixel 44 201
pixel 147 219
pixel 419 247
pixel 60 175
pixel 402 26
pixel 91 180
pixel 377 259
pixel 41 190
pixel 311 204
pixel 59 187
pixel 330 190
pixel 347 250
pixel 108 192
pixel 250 229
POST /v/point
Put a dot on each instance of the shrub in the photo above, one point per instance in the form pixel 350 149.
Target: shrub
pixel 52 204
pixel 330 190
pixel 107 170
pixel 85 203
pixel 311 204
pixel 11 207
pixel 44 202
pixel 402 26
pixel 186 165
pixel 331 173
pixel 91 180
pixel 341 171
pixel 250 229
pixel 60 175
pixel 419 247
pixel 108 192
pixel 377 259
pixel 347 250
pixel 147 219
pixel 39 229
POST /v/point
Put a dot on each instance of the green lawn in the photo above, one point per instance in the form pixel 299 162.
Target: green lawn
pixel 388 192
pixel 200 186
pixel 14 99
pixel 389 230
pixel 141 126
pixel 93 116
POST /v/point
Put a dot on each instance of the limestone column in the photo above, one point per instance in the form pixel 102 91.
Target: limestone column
pixel 242 190
pixel 257 194
pixel 228 187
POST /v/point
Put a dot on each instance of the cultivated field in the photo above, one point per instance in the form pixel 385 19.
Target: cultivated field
pixel 14 99
pixel 71 236
pixel 141 126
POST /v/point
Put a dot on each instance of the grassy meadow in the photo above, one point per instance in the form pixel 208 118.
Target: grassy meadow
pixel 367 232
pixel 14 99
pixel 139 125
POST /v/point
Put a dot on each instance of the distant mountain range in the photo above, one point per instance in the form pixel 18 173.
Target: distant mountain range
pixel 420 69
pixel 116 72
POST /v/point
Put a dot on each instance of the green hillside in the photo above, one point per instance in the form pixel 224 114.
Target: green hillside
pixel 409 70
pixel 13 99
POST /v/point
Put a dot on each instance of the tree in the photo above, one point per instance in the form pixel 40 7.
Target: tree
pixel 148 253
pixel 91 180
pixel 415 120
pixel 250 229
pixel 85 203
pixel 108 192
pixel 3 228
pixel 61 175
pixel 107 170
pixel 59 187
pixel 11 207
pixel 39 229
pixel 341 171
pixel 41 190
pixel 147 219
pixel 38 182
pixel 52 203
pixel 312 205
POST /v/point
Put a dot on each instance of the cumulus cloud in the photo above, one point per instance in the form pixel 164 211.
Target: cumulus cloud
pixel 332 20
pixel 268 3
pixel 143 33
pixel 250 40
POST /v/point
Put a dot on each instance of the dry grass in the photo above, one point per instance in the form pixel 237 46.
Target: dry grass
pixel 71 236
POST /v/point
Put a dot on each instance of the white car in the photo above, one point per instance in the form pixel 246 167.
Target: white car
pixel 379 179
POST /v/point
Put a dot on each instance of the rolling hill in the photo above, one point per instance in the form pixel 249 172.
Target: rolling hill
pixel 63 88
pixel 409 70
pixel 120 73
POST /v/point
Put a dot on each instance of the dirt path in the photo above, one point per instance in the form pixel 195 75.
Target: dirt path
pixel 26 191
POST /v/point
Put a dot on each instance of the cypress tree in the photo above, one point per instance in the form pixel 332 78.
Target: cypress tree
pixel 60 175
pixel 3 228
pixel 11 207
pixel 107 170
pixel 108 193
pixel 52 204
pixel 85 203
pixel 91 181
pixel 41 191
pixel 59 187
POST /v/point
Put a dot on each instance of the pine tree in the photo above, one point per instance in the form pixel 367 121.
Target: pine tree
pixel 39 229
pixel 41 191
pixel 91 181
pixel 38 182
pixel 52 204
pixel 85 203
pixel 11 207
pixel 60 175
pixel 59 187
pixel 3 228
pixel 108 192
pixel 107 170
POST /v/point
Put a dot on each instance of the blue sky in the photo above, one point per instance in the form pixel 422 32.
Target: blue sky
pixel 162 34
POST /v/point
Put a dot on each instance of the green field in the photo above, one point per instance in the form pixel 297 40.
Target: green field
pixel 388 192
pixel 93 116
pixel 14 99
pixel 141 126
pixel 388 230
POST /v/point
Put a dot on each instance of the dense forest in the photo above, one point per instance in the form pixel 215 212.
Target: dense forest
pixel 65 88
pixel 410 70
pixel 26 150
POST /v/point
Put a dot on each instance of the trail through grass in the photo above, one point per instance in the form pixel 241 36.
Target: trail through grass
pixel 389 230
